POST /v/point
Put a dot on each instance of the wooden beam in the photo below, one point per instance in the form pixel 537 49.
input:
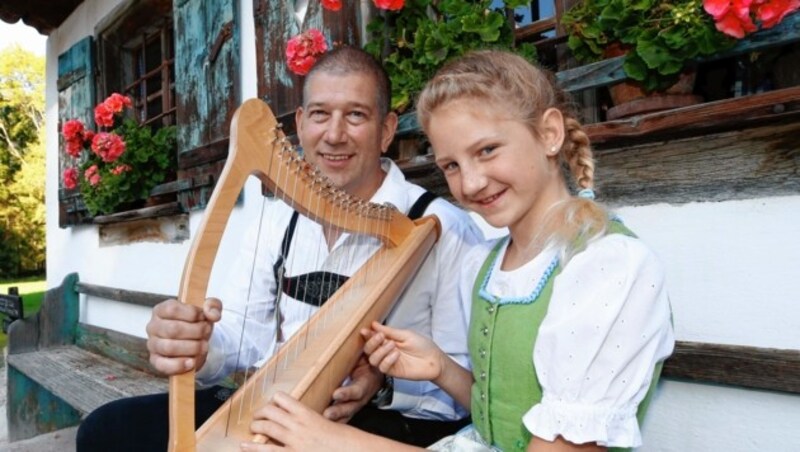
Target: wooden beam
pixel 735 365
pixel 734 113
pixel 171 208
pixel 534 29
pixel 126 296
pixel 739 164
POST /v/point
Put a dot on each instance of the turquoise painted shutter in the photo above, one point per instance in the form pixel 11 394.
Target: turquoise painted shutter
pixel 76 100
pixel 276 23
pixel 207 89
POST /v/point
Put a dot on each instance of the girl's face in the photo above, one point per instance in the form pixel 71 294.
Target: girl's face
pixel 495 165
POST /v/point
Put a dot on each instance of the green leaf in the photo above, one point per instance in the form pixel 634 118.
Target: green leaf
pixel 657 56
pixel 635 67
pixel 488 26
pixel 675 37
pixel 455 7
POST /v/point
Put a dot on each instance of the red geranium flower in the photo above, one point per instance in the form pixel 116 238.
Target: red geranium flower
pixel 103 115
pixel 732 25
pixel 735 17
pixel 719 8
pixel 390 5
pixel 109 146
pixel 73 130
pixel 772 12
pixel 732 17
pixel 92 175
pixel 332 5
pixel 119 169
pixel 116 102
pixel 70 178
pixel 74 148
pixel 303 49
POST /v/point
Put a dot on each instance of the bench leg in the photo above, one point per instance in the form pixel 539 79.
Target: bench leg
pixel 32 410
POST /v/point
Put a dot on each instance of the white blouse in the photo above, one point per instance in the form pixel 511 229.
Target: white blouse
pixel 607 326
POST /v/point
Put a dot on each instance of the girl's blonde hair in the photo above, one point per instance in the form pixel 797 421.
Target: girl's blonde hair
pixel 525 91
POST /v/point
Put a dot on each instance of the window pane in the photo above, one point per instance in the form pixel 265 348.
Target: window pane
pixel 153 53
pixel 153 84
pixel 154 107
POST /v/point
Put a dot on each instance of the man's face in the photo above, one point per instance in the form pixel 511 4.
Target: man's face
pixel 341 131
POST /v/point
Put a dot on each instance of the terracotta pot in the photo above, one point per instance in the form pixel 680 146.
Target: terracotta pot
pixel 630 99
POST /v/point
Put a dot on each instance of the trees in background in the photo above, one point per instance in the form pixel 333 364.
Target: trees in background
pixel 22 162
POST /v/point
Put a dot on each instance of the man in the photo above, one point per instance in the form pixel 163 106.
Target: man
pixel 344 126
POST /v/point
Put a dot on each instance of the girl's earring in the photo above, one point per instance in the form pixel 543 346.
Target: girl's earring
pixel 553 150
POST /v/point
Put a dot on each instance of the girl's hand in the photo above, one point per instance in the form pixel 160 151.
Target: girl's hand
pixel 402 353
pixel 298 428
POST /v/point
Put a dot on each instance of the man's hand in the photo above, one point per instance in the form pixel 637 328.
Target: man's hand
pixel 178 335
pixel 365 381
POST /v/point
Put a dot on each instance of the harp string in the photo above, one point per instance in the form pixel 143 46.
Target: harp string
pixel 251 353
pixel 245 314
pixel 287 156
pixel 261 316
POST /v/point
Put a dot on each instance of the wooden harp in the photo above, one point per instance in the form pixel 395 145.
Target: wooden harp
pixel 259 148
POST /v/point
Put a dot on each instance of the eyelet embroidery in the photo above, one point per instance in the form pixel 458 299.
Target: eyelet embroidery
pixel 530 298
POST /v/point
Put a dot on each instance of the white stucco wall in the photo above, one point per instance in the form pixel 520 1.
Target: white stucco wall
pixel 731 269
pixel 689 417
pixel 732 277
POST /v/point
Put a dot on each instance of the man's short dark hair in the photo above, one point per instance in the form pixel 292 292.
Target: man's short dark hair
pixel 345 60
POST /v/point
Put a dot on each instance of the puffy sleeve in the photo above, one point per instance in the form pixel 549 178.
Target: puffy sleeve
pixel 607 327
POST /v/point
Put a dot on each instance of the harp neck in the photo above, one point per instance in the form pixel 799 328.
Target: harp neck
pixel 301 184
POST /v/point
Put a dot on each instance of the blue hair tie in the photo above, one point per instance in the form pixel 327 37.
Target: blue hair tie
pixel 586 193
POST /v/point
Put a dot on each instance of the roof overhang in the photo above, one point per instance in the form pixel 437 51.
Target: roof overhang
pixel 43 15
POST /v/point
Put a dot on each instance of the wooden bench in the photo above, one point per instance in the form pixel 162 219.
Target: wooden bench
pixel 59 369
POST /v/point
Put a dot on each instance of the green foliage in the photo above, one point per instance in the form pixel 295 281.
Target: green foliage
pixel 22 162
pixel 659 37
pixel 22 80
pixel 151 157
pixel 28 188
pixel 415 41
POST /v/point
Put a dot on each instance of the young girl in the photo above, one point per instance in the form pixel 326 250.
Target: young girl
pixel 570 320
